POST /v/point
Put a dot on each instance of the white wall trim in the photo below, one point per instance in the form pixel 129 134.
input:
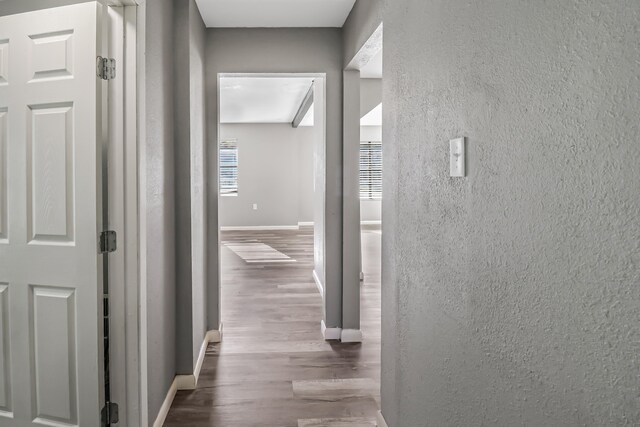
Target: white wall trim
pixel 166 405
pixel 190 382
pixel 371 222
pixel 318 284
pixel 259 227
pixel 351 335
pixel 330 333
pixel 215 335
pixel 380 421
pixel 186 382
pixel 305 224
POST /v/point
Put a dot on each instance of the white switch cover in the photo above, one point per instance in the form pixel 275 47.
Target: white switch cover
pixel 456 157
pixel 255 206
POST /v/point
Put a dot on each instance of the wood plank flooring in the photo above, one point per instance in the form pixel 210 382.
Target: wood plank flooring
pixel 273 368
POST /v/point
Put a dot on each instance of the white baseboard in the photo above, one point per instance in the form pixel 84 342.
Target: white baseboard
pixel 166 405
pixel 190 382
pixel 318 283
pixel 215 336
pixel 305 224
pixel 371 222
pixel 330 333
pixel 351 335
pixel 380 420
pixel 259 227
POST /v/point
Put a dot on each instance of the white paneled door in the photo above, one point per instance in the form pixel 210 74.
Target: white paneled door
pixel 50 217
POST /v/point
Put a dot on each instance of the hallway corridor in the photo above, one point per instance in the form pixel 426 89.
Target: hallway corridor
pixel 273 368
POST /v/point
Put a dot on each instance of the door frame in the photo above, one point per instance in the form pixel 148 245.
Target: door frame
pixel 123 186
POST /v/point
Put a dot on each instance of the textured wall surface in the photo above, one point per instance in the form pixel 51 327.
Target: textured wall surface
pixel 198 135
pixel 158 155
pixel 512 296
pixel 185 353
pixel 363 20
pixel 270 174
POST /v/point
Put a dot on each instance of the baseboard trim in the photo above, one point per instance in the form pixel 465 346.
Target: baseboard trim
pixel 190 382
pixel 351 335
pixel 318 283
pixel 305 224
pixel 166 405
pixel 371 222
pixel 380 421
pixel 330 333
pixel 214 335
pixel 259 227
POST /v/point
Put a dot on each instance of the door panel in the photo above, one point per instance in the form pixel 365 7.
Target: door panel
pixel 50 217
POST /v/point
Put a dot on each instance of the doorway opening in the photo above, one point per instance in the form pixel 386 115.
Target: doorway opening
pixel 370 186
pixel 270 206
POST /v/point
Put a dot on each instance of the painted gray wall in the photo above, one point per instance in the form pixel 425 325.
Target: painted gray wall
pixel 284 51
pixel 182 137
pixel 370 95
pixel 363 20
pixel 351 248
pixel 305 179
pixel 511 297
pixel 158 170
pixel 189 134
pixel 199 243
pixel 272 172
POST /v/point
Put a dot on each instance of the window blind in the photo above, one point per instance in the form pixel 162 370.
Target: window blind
pixel 228 168
pixel 371 170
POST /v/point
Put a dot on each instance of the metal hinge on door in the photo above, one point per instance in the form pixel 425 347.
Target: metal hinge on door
pixel 108 241
pixel 110 414
pixel 106 68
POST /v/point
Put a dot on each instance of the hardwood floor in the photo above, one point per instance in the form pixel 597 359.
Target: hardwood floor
pixel 273 368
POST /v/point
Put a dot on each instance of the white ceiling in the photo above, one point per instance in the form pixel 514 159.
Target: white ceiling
pixel 275 13
pixel 373 69
pixel 261 99
pixel 373 117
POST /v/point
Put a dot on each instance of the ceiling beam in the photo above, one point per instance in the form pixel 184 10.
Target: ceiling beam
pixel 304 108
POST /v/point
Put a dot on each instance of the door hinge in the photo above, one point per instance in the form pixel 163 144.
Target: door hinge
pixel 108 241
pixel 106 68
pixel 110 414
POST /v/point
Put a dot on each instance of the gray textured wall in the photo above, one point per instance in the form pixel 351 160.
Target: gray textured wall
pixel 305 179
pixel 511 296
pixel 159 201
pixel 370 95
pixel 190 227
pixel 284 51
pixel 182 140
pixel 363 20
pixel 269 174
pixel 198 134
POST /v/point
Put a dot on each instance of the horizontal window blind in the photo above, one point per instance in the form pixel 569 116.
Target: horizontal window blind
pixel 371 170
pixel 228 169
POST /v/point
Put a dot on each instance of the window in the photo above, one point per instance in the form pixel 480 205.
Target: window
pixel 228 168
pixel 371 170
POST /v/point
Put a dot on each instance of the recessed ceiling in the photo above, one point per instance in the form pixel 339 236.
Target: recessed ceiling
pixel 275 13
pixel 373 69
pixel 261 99
pixel 373 117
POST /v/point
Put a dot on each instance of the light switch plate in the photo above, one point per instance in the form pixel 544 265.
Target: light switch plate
pixel 456 157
